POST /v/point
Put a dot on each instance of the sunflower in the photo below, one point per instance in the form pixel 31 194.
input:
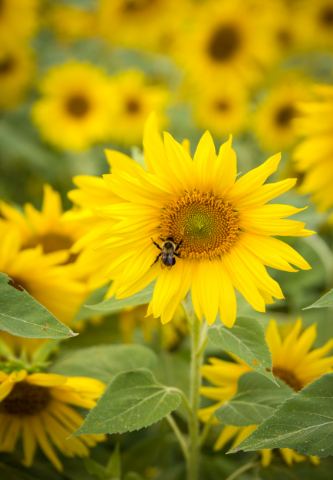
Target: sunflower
pixel 17 69
pixel 123 22
pixel 274 119
pixel 18 20
pixel 313 156
pixel 316 19
pixel 293 362
pixel 41 276
pixel 133 100
pixel 227 40
pixel 185 200
pixel 74 111
pixel 36 407
pixel 221 108
pixel 70 22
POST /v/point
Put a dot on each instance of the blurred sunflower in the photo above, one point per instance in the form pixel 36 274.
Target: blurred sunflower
pixel 74 111
pixel 70 22
pixel 41 276
pixel 313 156
pixel 293 362
pixel 228 41
pixel 133 100
pixel 123 22
pixel 18 20
pixel 221 108
pixel 316 19
pixel 17 69
pixel 185 200
pixel 274 119
pixel 36 407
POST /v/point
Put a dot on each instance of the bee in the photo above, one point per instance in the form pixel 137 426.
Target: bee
pixel 168 250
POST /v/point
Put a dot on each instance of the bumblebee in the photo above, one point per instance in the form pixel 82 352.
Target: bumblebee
pixel 168 250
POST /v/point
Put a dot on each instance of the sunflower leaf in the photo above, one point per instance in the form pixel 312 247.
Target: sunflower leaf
pixel 132 400
pixel 103 362
pixel 325 301
pixel 22 315
pixel 113 305
pixel 246 340
pixel 256 399
pixel 303 422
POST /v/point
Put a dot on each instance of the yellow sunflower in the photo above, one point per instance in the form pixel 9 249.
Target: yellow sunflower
pixel 139 23
pixel 17 69
pixel 70 22
pixel 41 276
pixel 37 408
pixel 74 111
pixel 274 119
pixel 293 362
pixel 316 20
pixel 184 200
pixel 314 155
pixel 221 108
pixel 227 40
pixel 18 20
pixel 133 100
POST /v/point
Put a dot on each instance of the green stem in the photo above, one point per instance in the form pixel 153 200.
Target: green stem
pixel 183 397
pixel 242 469
pixel 179 435
pixel 206 429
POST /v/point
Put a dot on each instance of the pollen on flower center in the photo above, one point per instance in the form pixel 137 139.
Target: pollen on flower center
pixel 206 225
pixel 25 399
pixel 77 105
pixel 224 43
pixel 288 377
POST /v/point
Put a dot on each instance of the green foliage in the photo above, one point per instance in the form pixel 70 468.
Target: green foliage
pixel 256 399
pixel 112 305
pixel 132 400
pixel 104 362
pixel 111 471
pixel 246 340
pixel 304 422
pixel 95 297
pixel 325 301
pixel 22 315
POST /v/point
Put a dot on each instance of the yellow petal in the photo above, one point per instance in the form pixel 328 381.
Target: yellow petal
pixel 46 379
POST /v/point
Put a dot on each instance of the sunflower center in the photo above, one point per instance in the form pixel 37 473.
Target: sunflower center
pixel 78 106
pixel 221 105
pixel 206 225
pixel 132 106
pixel 284 38
pixel 288 377
pixel 52 242
pixel 6 64
pixel 25 399
pixel 224 43
pixel 326 16
pixel 285 115
pixel 18 284
pixel 137 5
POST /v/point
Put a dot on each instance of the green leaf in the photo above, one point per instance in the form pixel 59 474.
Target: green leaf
pixel 132 400
pixel 95 468
pixel 104 362
pixel 113 469
pixel 96 297
pixel 304 422
pixel 325 301
pixel 246 340
pixel 112 305
pixel 22 315
pixel 256 399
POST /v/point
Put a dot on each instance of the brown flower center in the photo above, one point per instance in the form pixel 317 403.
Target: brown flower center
pixel 7 63
pixel 52 242
pixel 288 377
pixel 285 115
pixel 25 399
pixel 284 38
pixel 137 5
pixel 132 106
pixel 224 43
pixel 206 225
pixel 326 16
pixel 78 106
pixel 222 106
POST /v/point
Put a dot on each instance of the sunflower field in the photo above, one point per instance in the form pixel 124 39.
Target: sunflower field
pixel 166 235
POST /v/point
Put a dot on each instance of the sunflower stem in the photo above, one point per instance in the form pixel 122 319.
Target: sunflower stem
pixel 179 435
pixel 195 383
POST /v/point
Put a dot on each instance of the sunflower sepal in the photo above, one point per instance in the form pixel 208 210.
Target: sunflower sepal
pixel 19 365
pixel 246 340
